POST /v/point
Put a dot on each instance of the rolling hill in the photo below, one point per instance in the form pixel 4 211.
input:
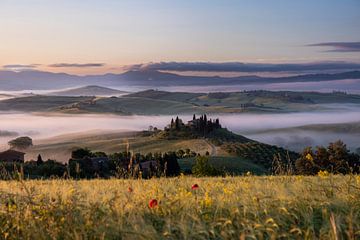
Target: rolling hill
pixel 91 90
pixel 351 127
pixel 152 102
pixel 234 153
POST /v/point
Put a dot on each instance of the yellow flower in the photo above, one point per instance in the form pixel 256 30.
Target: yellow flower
pixel 323 174
pixel 309 157
pixel 227 191
pixel 358 179
pixel 207 202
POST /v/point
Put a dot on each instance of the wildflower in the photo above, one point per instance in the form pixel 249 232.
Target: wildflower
pixel 207 202
pixel 248 173
pixel 194 187
pixel 153 203
pixel 323 174
pixel 130 189
pixel 309 157
pixel 227 191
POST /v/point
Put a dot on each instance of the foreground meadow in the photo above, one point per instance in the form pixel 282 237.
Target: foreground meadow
pixel 249 207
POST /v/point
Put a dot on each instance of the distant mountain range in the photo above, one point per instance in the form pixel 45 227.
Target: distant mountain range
pixel 38 80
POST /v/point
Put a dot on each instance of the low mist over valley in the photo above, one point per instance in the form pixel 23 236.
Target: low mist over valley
pixel 75 116
pixel 290 130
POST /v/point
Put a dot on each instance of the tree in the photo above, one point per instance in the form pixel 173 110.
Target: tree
pixel 39 160
pixel 336 158
pixel 217 123
pixel 80 153
pixel 177 123
pixel 305 164
pixel 99 154
pixel 322 157
pixel 203 168
pixel 171 165
pixel 180 153
pixel 21 143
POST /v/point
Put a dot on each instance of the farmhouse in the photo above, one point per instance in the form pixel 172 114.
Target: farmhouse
pixel 12 156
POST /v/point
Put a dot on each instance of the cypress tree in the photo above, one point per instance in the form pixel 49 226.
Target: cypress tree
pixel 177 124
pixel 39 160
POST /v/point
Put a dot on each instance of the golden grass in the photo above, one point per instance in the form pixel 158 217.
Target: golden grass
pixel 250 207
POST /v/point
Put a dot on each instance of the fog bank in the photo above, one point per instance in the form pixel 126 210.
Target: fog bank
pixel 44 126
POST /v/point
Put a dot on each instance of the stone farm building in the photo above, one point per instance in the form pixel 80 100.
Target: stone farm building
pixel 12 156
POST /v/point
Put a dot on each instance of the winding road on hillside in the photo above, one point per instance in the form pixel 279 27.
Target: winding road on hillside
pixel 213 148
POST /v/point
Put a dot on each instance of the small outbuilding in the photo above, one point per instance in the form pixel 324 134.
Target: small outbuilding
pixel 12 156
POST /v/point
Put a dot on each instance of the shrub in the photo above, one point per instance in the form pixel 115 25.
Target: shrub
pixel 203 168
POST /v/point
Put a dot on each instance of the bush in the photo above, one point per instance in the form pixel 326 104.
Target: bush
pixel 203 168
pixel 336 158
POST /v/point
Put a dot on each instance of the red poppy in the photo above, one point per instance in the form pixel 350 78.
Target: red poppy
pixel 130 189
pixel 194 186
pixel 153 203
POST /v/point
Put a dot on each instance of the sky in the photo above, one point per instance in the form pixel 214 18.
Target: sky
pixel 98 36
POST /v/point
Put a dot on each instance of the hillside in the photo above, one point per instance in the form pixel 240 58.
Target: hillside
pixel 351 127
pixel 152 102
pixel 91 90
pixel 39 103
pixel 223 140
pixel 60 147
pixel 234 153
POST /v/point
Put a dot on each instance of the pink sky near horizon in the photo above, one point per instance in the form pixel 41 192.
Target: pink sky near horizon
pixel 119 33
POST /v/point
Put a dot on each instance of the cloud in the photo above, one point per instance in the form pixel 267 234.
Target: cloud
pixel 339 46
pixel 76 65
pixel 20 67
pixel 241 67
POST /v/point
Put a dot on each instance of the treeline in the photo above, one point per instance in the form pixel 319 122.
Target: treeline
pixel 197 127
pixel 335 158
pixel 87 164
pixel 203 125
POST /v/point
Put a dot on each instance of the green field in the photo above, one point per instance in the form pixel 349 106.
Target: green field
pixel 229 164
pixel 272 207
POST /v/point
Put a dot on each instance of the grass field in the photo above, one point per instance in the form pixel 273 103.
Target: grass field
pixel 230 164
pixel 320 207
